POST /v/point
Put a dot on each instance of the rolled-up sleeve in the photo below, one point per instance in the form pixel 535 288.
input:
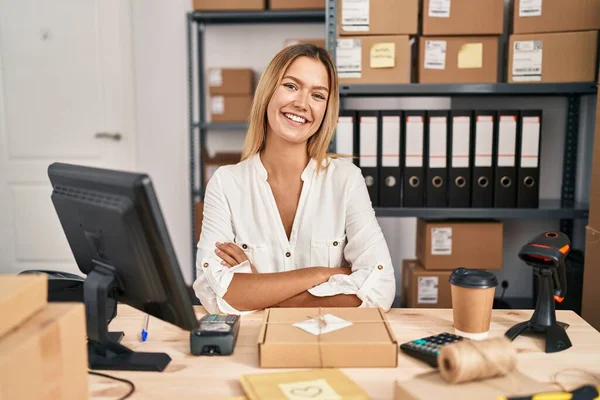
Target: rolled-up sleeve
pixel 372 278
pixel 213 279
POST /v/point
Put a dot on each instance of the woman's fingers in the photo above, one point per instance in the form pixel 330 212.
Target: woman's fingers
pixel 228 261
pixel 231 253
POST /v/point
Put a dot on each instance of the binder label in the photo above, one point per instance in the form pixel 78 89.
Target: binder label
pixel 527 61
pixel 215 77
pixel 427 289
pixel 435 54
pixel 441 241
pixel 484 135
pixel 344 136
pixel 530 8
pixel 437 142
pixel 439 8
pixel 530 142
pixel 507 141
pixel 368 142
pixel 349 58
pixel 460 142
pixel 355 15
pixel 390 143
pixel 217 104
pixel 414 141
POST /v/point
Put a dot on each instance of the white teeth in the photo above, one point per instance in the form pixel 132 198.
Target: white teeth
pixel 295 118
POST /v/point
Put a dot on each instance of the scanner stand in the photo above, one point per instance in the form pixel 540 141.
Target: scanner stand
pixel 543 319
pixel 104 350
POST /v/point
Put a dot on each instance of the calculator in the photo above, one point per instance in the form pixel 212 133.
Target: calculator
pixel 427 349
pixel 215 335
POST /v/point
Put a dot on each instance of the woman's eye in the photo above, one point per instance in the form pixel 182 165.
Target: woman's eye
pixel 319 96
pixel 290 86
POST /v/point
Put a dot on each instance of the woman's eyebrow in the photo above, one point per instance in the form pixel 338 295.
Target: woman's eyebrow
pixel 299 82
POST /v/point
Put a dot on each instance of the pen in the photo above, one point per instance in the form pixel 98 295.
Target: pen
pixel 587 392
pixel 145 328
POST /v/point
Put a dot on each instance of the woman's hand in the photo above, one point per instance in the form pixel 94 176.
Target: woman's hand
pixel 232 255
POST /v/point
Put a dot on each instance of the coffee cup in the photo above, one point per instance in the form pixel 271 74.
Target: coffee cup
pixel 472 301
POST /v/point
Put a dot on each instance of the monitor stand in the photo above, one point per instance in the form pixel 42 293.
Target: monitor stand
pixel 104 350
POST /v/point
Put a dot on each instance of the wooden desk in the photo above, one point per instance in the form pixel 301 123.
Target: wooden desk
pixel 193 377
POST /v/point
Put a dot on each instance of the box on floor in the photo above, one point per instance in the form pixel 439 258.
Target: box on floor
pixel 459 59
pixel 553 57
pixel 423 288
pixel 449 244
pixel 368 342
pixel 463 17
pixel 378 17
pixel 229 5
pixel 374 59
pixel 555 16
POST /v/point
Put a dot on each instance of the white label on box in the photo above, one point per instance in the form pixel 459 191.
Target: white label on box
pixel 355 15
pixel 217 105
pixel 441 241
pixel 530 142
pixel 390 143
pixel 368 142
pixel 484 135
pixel 349 58
pixel 530 8
pixel 317 389
pixel 460 141
pixel 328 323
pixel 527 61
pixel 439 8
pixel 438 136
pixel 427 289
pixel 507 141
pixel 215 77
pixel 414 141
pixel 435 54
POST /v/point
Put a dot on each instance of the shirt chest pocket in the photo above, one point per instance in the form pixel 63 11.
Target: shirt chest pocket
pixel 258 255
pixel 328 253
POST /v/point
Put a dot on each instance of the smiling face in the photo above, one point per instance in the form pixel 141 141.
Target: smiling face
pixel 298 104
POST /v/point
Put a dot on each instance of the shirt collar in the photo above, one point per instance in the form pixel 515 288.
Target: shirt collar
pixel 307 173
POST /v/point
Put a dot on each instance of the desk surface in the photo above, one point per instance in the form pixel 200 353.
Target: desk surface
pixel 192 377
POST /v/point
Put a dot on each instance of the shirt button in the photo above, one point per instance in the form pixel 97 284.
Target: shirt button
pixel 380 267
pixel 244 246
pixel 335 243
pixel 288 254
pixel 205 265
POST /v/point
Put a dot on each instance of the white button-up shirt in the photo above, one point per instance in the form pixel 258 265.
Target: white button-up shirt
pixel 334 225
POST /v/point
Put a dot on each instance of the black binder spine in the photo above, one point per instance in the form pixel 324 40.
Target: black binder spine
pixel 505 160
pixel 482 194
pixel 436 163
pixel 368 152
pixel 528 181
pixel 390 173
pixel 413 150
pixel 461 160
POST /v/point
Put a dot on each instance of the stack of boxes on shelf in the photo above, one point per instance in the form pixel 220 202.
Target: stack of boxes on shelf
pixel 554 41
pixel 43 347
pixel 257 5
pixel 443 246
pixel 231 91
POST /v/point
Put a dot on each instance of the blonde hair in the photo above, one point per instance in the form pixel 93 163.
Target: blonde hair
pixel 270 80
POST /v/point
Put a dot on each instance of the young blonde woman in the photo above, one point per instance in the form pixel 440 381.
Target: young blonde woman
pixel 290 225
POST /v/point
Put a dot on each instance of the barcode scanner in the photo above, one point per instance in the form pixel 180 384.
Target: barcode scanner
pixel 546 254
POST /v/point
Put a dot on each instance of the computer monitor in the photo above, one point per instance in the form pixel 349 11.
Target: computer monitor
pixel 114 226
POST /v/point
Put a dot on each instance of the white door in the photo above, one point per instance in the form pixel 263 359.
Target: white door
pixel 66 94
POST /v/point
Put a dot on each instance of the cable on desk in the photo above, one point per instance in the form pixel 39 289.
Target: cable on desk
pixel 129 383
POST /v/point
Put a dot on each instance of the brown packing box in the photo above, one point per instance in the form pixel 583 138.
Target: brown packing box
pixel 317 42
pixel 227 81
pixel 229 5
pixel 230 108
pixel 594 218
pixel 590 305
pixel 219 159
pixel 368 342
pixel 385 17
pixel 556 16
pixel 424 288
pixel 21 296
pixel 446 245
pixel 297 4
pixel 374 59
pixel 562 57
pixel 46 357
pixel 466 59
pixel 464 17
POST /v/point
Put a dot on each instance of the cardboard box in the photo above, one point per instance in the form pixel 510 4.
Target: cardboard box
pixel 21 296
pixel 297 4
pixel 463 17
pixel 219 159
pixel 380 17
pixel 374 59
pixel 229 5
pixel 46 357
pixel 556 16
pixel 228 81
pixel 423 288
pixel 594 218
pixel 459 59
pixel 446 245
pixel 590 304
pixel 230 108
pixel 316 42
pixel 553 57
pixel 368 342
